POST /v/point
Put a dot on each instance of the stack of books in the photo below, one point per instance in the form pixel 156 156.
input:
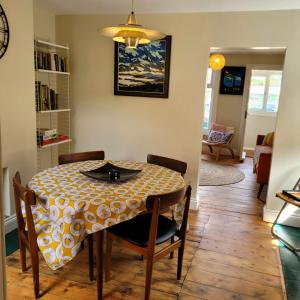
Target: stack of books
pixel 50 61
pixel 45 98
pixel 47 136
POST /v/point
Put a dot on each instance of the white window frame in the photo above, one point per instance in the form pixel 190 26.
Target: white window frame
pixel 263 111
pixel 211 110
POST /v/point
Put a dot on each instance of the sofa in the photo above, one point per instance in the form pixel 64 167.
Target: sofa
pixel 262 161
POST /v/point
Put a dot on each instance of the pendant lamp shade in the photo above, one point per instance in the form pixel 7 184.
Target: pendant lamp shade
pixel 131 33
pixel 217 61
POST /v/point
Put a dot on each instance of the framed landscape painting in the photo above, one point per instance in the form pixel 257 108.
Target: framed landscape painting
pixel 232 80
pixel 143 71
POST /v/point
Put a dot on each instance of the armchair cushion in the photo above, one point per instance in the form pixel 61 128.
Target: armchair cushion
pixel 218 137
pixel 268 139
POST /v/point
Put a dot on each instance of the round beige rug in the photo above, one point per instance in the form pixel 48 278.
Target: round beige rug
pixel 213 173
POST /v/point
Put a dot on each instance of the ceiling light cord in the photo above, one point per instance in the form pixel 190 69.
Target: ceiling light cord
pixel 132 7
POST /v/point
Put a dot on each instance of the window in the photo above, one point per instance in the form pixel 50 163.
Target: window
pixel 208 100
pixel 264 92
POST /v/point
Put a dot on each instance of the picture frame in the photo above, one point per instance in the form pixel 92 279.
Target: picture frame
pixel 143 71
pixel 232 80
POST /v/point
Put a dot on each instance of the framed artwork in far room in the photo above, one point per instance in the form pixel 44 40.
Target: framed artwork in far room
pixel 143 71
pixel 232 80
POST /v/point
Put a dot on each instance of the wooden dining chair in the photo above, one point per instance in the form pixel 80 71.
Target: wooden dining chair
pixel 142 233
pixel 28 237
pixel 80 156
pixel 173 164
pixel 170 163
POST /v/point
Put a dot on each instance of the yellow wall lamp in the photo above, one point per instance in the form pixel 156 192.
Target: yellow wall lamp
pixel 217 61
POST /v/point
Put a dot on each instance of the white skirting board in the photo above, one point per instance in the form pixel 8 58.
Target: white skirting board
pixel 194 204
pixel 10 223
pixel 292 220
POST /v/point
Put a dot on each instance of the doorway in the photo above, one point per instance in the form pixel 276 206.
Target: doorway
pixel 260 98
pixel 263 85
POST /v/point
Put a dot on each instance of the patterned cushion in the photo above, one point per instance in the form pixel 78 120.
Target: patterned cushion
pixel 227 137
pixel 217 137
pixel 268 139
pixel 218 127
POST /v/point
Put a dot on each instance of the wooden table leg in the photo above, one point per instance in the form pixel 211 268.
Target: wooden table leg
pixel 99 263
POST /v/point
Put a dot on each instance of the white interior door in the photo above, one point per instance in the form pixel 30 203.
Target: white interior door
pixel 261 99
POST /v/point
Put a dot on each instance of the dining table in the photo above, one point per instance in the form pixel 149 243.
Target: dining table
pixel 71 205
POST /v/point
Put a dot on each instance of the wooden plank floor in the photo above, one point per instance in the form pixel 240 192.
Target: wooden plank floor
pixel 229 255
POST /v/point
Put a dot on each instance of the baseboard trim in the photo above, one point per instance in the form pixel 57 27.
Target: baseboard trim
pixel 194 204
pixel 271 214
pixel 10 223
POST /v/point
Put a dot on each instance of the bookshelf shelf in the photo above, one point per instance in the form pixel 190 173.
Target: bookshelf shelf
pixel 55 143
pixel 53 111
pixel 53 72
pixel 52 45
pixel 52 101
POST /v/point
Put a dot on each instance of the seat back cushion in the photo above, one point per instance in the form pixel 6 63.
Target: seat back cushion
pixel 218 127
pixel 268 139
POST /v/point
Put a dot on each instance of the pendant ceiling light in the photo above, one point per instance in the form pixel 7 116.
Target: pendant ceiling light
pixel 131 33
pixel 217 61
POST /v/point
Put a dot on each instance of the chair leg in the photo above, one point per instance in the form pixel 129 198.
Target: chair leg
pixel 172 253
pixel 180 260
pixel 99 263
pixel 261 187
pixel 108 257
pixel 91 256
pixel 218 153
pixel 210 148
pixel 149 270
pixel 35 272
pixel 231 151
pixel 22 254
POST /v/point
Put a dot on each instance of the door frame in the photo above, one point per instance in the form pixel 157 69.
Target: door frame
pixel 244 109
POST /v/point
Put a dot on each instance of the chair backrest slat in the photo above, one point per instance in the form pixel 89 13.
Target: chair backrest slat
pixel 80 156
pixel 173 164
pixel 23 194
pixel 166 200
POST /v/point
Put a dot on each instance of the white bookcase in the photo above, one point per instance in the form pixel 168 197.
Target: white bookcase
pixel 52 99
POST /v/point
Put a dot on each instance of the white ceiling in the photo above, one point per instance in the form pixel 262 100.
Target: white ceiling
pixel 162 6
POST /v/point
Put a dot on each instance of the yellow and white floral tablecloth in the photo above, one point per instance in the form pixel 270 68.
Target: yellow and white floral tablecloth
pixel 71 205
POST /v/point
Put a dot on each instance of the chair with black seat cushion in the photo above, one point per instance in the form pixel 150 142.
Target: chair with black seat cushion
pixel 27 236
pixel 80 156
pixel 173 164
pixel 170 163
pixel 142 233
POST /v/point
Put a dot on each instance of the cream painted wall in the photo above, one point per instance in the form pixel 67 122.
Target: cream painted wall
pixel 257 125
pixel 44 24
pixel 128 127
pixel 17 93
pixel 229 107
